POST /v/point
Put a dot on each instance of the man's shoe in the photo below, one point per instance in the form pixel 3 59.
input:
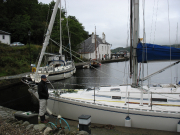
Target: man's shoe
pixel 45 121
pixel 42 118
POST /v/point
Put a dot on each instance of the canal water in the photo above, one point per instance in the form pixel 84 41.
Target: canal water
pixel 118 73
pixel 17 97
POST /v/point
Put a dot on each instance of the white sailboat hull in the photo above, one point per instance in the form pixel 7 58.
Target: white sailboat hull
pixel 52 76
pixel 61 75
pixel 113 113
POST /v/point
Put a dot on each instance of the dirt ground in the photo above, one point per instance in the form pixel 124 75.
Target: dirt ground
pixel 97 129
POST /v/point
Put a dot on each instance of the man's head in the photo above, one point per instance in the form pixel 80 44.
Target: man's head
pixel 43 77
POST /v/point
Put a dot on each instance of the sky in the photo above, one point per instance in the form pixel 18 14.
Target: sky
pixel 161 19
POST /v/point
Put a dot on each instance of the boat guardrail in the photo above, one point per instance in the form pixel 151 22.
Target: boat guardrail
pixel 78 100
pixel 118 107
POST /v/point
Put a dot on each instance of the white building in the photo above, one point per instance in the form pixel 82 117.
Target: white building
pixel 102 51
pixel 5 37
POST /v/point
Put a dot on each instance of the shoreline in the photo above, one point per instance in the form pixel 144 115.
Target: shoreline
pixel 7 120
pixel 13 78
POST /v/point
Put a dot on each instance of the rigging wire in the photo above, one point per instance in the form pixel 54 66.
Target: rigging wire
pixel 152 21
pixel 46 26
pixel 68 30
pixel 87 85
pixel 125 68
pixel 80 55
pixel 127 42
pixel 64 47
pixel 155 21
pixel 177 44
pixel 95 61
pixel 141 65
pixel 84 62
pixel 169 38
pixel 46 22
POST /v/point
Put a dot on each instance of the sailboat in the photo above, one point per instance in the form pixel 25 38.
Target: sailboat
pixel 139 106
pixel 57 67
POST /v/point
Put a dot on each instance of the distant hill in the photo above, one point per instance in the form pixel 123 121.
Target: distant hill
pixel 128 48
pixel 174 45
pixel 120 49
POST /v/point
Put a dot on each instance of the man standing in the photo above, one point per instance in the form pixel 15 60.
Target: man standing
pixel 43 96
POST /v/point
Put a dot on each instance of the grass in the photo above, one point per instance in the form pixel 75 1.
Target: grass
pixel 16 60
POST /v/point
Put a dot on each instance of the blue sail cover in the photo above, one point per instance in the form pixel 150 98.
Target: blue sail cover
pixel 151 52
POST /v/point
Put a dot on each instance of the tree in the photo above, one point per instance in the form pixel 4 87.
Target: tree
pixel 19 26
pixel 76 32
pixel 19 16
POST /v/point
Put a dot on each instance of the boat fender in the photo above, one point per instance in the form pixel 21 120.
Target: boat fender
pixel 127 121
pixel 48 111
pixel 59 116
pixel 127 118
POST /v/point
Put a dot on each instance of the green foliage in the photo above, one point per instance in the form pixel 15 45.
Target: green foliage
pixel 77 34
pixel 16 60
pixel 20 24
pixel 20 16
pixel 120 49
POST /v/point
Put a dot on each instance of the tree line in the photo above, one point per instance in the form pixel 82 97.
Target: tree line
pixel 18 17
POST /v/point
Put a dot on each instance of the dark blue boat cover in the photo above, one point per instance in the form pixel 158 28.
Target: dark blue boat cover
pixel 151 52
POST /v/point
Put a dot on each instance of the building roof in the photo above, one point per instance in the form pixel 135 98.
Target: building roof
pixel 88 47
pixel 4 33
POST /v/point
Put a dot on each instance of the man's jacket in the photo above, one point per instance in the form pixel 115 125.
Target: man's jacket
pixel 43 90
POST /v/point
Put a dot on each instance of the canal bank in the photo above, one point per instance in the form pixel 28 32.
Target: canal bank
pixel 15 79
pixel 16 96
pixel 114 60
pixel 10 125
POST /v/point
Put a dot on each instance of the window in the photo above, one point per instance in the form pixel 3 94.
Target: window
pixel 159 99
pixel 3 37
pixel 115 90
pixel 116 97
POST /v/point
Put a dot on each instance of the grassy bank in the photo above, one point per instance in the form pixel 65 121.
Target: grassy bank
pixel 16 60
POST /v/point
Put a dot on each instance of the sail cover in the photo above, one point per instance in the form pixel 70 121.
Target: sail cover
pixel 151 52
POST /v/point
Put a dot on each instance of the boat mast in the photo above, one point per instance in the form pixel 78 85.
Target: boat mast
pixel 60 49
pixel 48 34
pixel 135 41
pixel 95 44
pixel 131 13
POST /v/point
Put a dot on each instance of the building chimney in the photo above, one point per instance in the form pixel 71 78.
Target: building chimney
pixel 93 37
pixel 103 38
